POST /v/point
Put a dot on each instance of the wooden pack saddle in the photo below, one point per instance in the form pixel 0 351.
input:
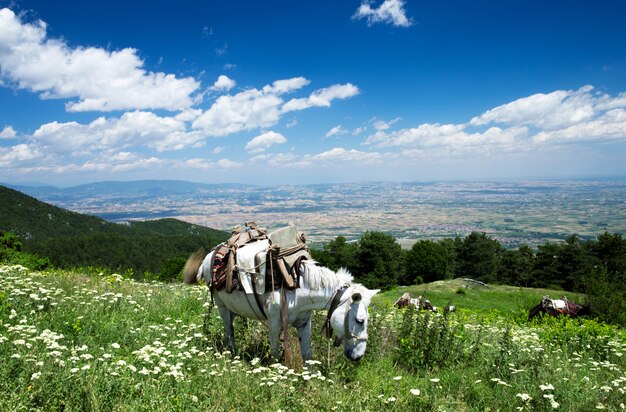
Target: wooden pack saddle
pixel 286 251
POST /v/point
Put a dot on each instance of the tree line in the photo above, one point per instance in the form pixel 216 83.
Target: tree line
pixel 378 261
pixel 596 267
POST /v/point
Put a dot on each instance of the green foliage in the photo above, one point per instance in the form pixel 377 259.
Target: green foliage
pixel 606 295
pixel 516 266
pixel 11 253
pixel 478 257
pixel 338 253
pixel 70 239
pixel 429 260
pixel 378 260
pixel 427 341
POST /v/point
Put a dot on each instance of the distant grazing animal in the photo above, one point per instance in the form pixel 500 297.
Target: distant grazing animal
pixel 419 303
pixel 556 307
pixel 319 288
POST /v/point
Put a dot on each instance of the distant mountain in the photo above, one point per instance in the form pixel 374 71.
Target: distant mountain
pixel 73 239
pixel 124 190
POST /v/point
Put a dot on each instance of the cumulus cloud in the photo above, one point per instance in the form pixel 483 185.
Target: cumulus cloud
pixel 608 127
pixel 561 108
pixel 562 116
pixel 390 12
pixel 283 160
pixel 322 97
pixel 120 162
pixel 451 138
pixel 13 156
pixel 384 125
pixel 223 83
pixel 100 80
pixel 7 133
pixel 131 129
pixel 336 131
pixel 204 164
pixel 264 141
pixel 254 108
pixel 339 154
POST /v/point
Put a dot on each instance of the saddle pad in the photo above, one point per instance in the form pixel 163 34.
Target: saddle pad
pixel 246 266
pixel 558 304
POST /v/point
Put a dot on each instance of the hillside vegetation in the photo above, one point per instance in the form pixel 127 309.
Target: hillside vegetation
pixel 71 239
pixel 74 342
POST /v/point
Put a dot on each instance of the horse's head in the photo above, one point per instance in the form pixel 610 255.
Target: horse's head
pixel 349 321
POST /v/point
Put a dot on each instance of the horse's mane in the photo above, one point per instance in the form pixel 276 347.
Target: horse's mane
pixel 319 277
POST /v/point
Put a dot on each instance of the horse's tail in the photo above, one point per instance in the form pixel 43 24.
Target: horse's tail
pixel 534 311
pixel 192 265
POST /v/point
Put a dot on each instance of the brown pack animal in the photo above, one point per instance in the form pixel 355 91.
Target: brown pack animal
pixel 556 307
pixel 419 302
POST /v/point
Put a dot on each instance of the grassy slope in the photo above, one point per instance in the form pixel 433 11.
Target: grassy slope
pixel 122 345
pixel 507 300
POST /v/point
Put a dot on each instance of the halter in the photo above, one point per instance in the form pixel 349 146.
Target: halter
pixel 327 330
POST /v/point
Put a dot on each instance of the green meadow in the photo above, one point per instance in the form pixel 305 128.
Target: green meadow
pixel 100 342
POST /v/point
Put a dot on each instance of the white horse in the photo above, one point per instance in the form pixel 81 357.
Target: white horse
pixel 320 289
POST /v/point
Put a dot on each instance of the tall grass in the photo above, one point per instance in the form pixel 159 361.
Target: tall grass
pixel 74 342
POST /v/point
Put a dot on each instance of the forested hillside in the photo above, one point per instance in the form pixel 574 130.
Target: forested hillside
pixel 71 239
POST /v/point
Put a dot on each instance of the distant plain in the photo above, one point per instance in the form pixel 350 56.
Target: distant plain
pixel 513 212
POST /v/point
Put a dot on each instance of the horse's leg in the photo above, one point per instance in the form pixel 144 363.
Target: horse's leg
pixel 304 334
pixel 275 325
pixel 534 312
pixel 227 319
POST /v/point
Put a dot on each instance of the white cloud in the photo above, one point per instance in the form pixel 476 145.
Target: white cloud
pixel 283 160
pixel 359 130
pixel 218 149
pixel 381 125
pixel 559 117
pixel 561 108
pixel 610 126
pixel 254 108
pixel 204 164
pixel 322 97
pixel 12 156
pixel 228 164
pixel 336 131
pixel 7 133
pixel 101 80
pixel 390 12
pixel 132 129
pixel 339 154
pixel 452 138
pixel 223 83
pixel 120 162
pixel 264 141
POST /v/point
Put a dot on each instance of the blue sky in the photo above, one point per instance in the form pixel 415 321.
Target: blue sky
pixel 311 92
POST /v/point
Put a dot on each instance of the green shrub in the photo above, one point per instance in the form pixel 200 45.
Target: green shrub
pixel 428 340
pixel 606 294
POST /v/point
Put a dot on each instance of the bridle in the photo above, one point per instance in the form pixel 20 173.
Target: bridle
pixel 327 330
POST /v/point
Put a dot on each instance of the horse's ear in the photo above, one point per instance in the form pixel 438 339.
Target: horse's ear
pixel 375 291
